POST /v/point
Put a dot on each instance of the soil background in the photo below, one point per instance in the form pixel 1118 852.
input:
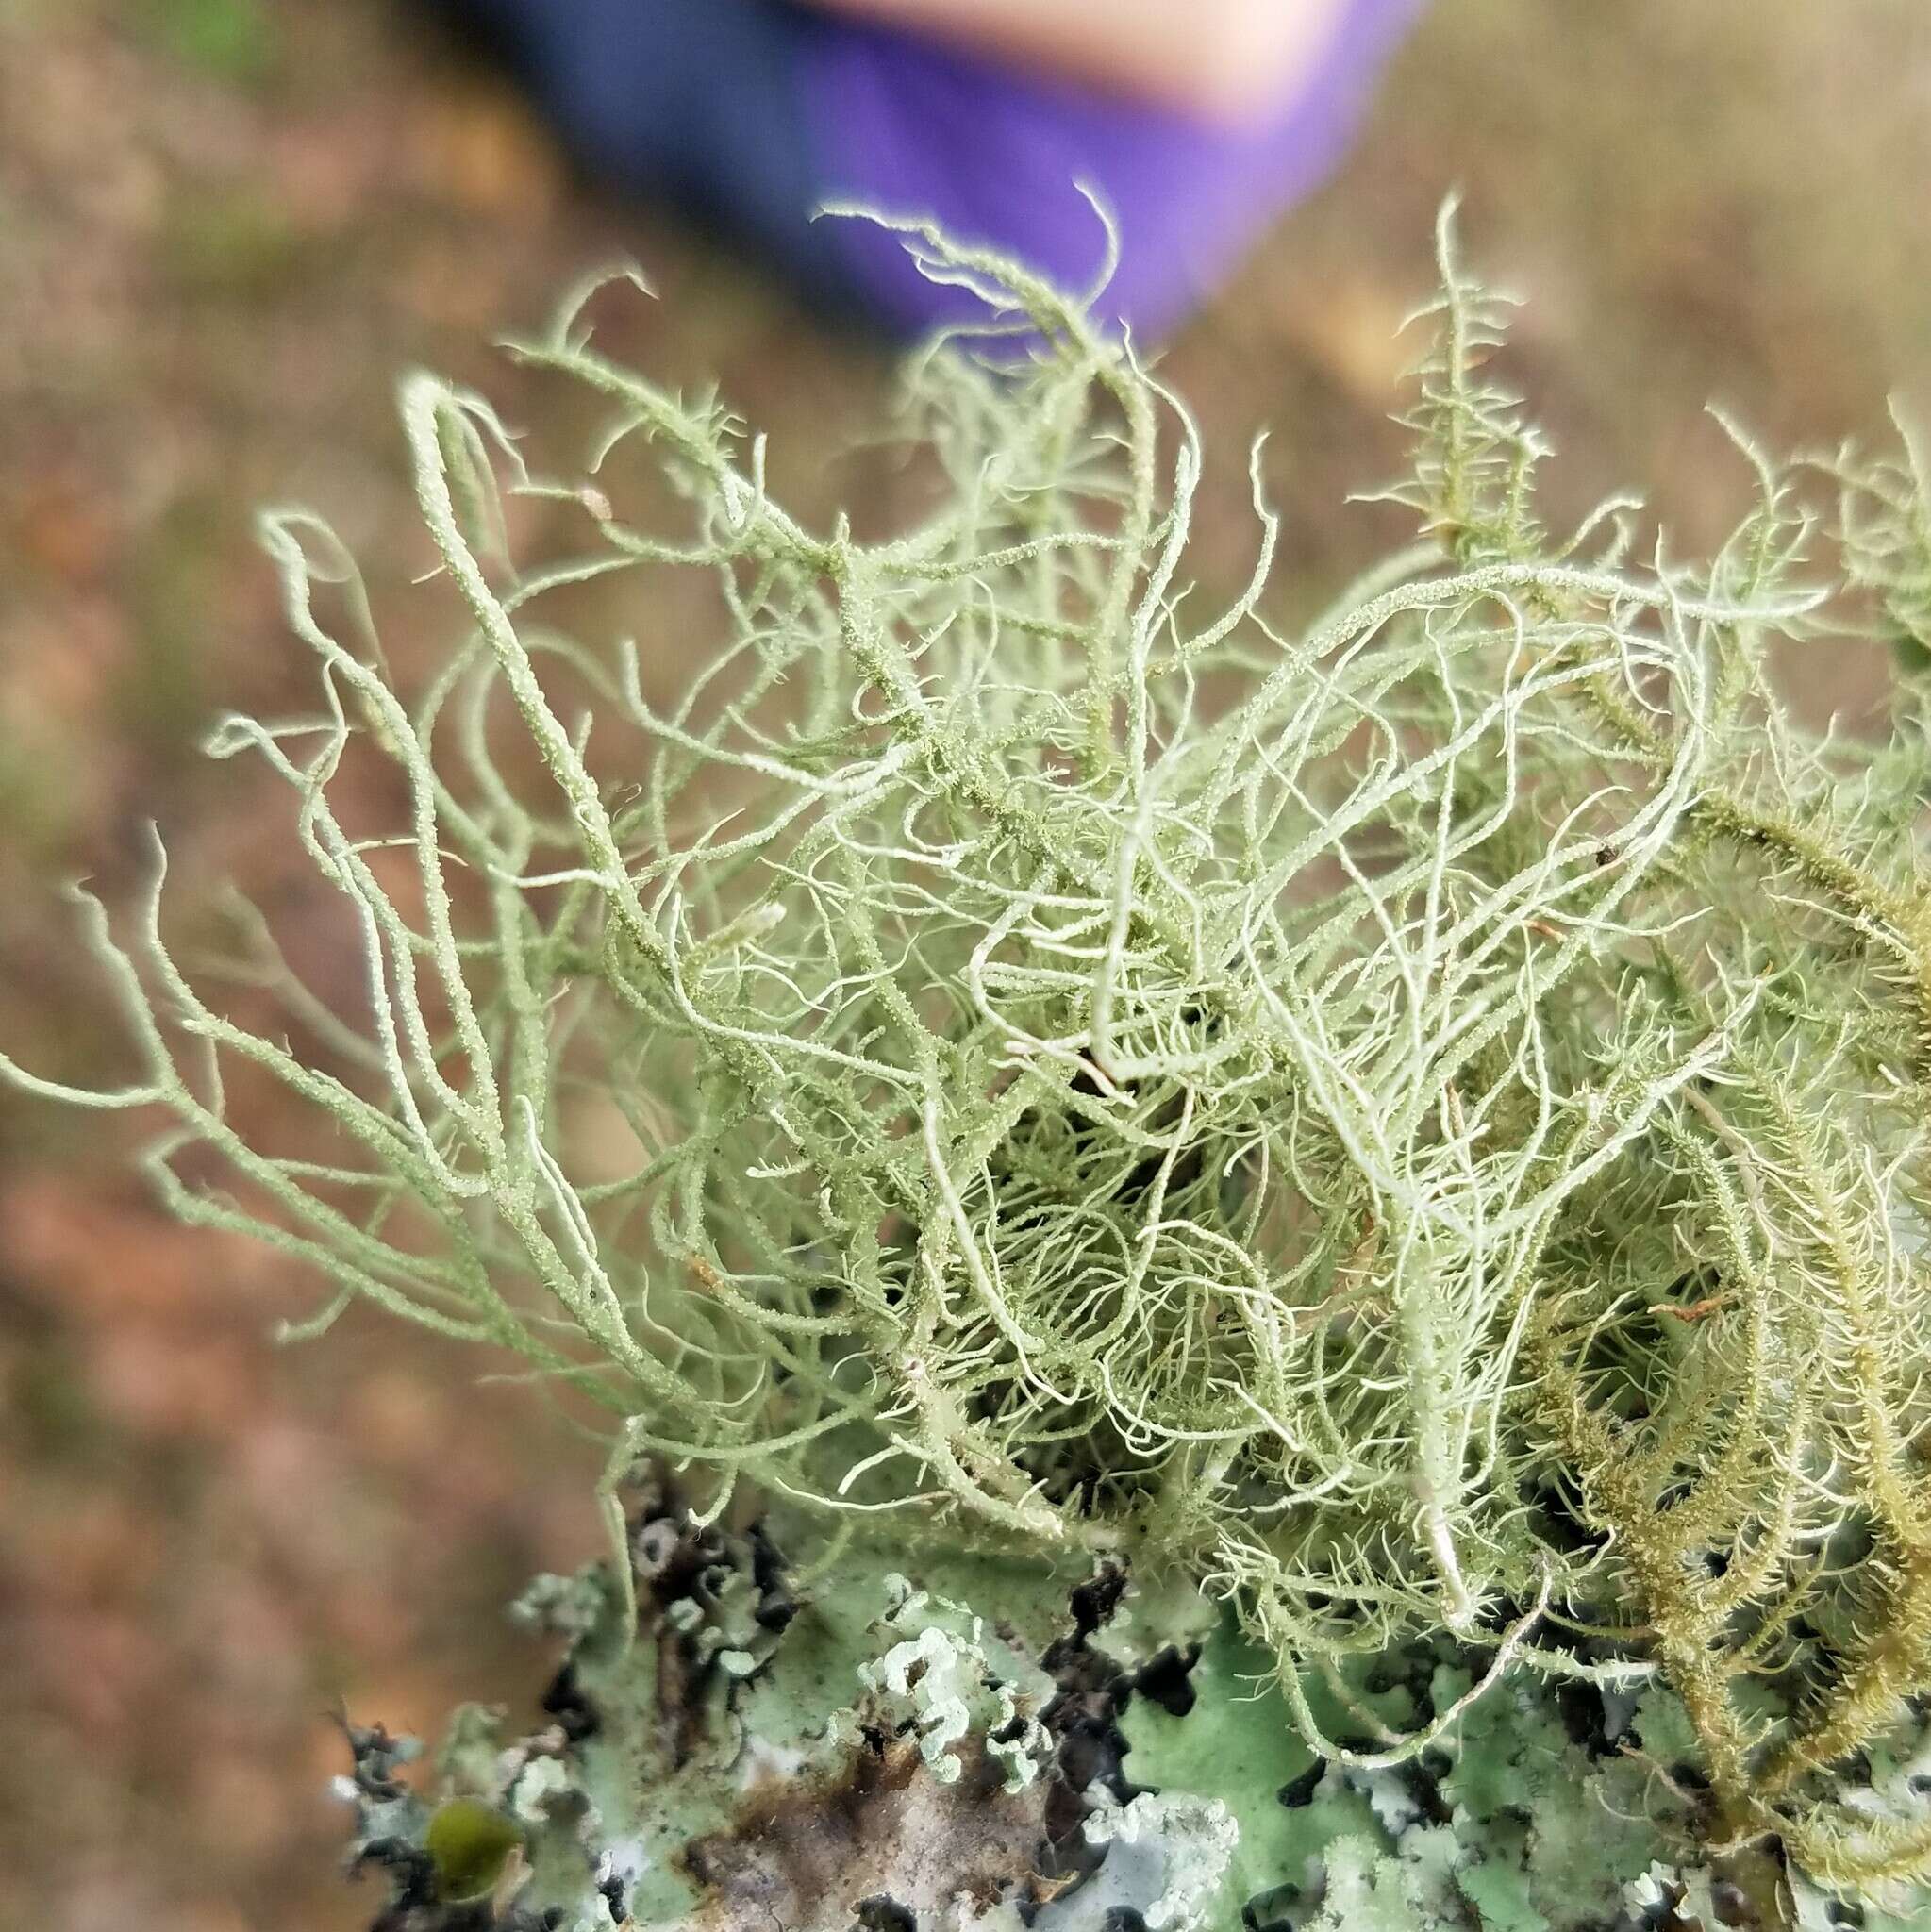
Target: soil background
pixel 226 226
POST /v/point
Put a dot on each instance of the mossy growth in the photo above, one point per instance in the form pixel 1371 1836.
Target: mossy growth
pixel 1413 1126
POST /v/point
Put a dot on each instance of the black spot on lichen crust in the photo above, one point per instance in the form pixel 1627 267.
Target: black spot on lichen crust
pixel 776 1605
pixel 882 1914
pixel 565 1702
pixel 479 1916
pixel 375 1756
pixel 1166 1679
pixel 1093 1602
pixel 412 1876
pixel 613 1897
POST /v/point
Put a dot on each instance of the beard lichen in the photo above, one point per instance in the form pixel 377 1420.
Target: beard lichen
pixel 1414 1125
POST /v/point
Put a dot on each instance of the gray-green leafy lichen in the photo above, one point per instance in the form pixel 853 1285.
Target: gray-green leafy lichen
pixel 894 1758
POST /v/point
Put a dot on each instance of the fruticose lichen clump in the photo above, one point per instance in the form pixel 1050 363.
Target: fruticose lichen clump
pixel 1411 1129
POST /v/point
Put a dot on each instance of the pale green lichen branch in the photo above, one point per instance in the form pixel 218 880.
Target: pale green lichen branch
pixel 1414 1123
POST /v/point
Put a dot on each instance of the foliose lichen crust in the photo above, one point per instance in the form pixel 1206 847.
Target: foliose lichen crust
pixel 1072 1755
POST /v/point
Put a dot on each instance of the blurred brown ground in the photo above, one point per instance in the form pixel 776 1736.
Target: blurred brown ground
pixel 225 225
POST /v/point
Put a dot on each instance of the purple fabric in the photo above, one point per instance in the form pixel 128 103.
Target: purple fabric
pixel 913 128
